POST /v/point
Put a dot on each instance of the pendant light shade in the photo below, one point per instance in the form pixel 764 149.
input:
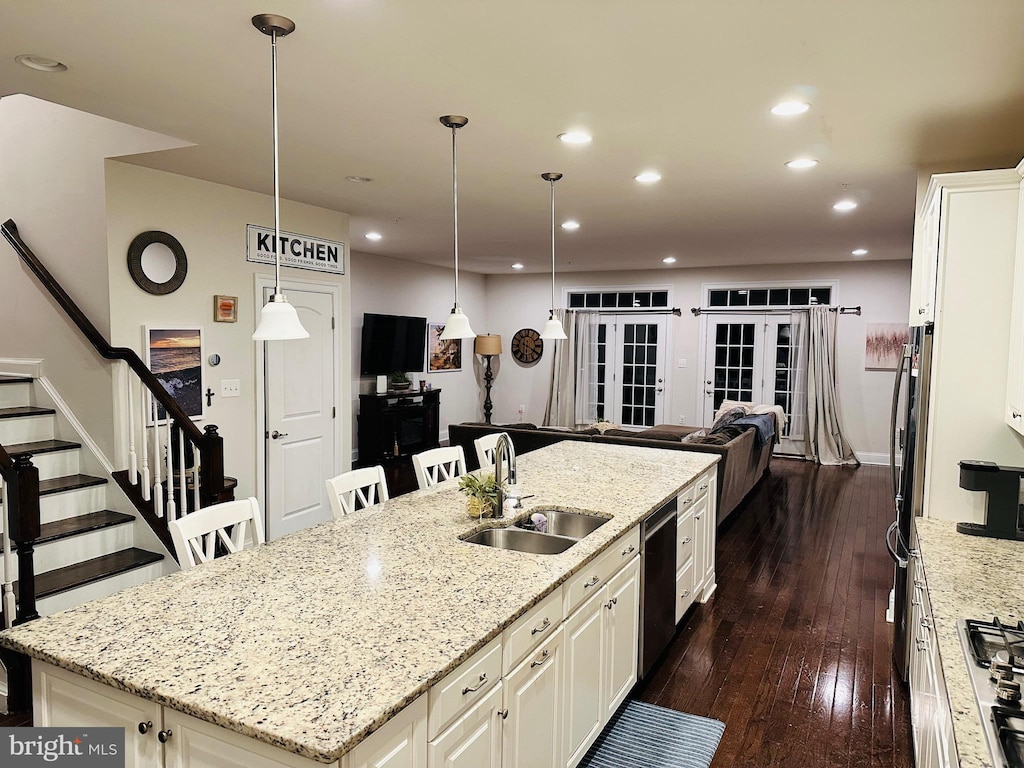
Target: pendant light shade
pixel 457 326
pixel 278 319
pixel 552 328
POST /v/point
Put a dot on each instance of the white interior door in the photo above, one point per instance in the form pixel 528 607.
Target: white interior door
pixel 300 417
pixel 631 369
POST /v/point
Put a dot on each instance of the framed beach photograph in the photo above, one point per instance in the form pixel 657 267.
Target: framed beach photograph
pixel 225 309
pixel 883 345
pixel 175 356
pixel 442 354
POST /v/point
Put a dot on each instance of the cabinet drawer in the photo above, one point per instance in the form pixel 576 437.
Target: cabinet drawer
pixel 704 482
pixel 529 630
pixel 463 687
pixel 684 539
pixel 595 574
pixel 684 590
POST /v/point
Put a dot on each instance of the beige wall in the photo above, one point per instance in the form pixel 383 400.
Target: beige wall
pixel 51 164
pixel 393 287
pixel 880 287
pixel 209 220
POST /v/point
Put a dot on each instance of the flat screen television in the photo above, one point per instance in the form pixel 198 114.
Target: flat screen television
pixel 392 344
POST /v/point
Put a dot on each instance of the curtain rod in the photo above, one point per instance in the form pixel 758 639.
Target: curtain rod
pixel 630 311
pixel 768 311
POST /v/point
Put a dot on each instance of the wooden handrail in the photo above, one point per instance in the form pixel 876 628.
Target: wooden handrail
pixel 6 462
pixel 101 345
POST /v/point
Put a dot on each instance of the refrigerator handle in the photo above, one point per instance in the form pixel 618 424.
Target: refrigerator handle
pixel 900 561
pixel 897 387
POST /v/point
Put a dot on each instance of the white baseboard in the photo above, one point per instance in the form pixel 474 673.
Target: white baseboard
pixel 874 458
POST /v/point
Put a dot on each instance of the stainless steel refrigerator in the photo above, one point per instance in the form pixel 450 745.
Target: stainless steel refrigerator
pixel 909 427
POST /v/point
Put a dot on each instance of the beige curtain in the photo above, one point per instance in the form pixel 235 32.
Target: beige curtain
pixel 572 396
pixel 825 442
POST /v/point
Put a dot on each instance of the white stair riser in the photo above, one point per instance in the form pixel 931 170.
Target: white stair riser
pixel 56 464
pixel 85 546
pixel 99 589
pixel 26 429
pixel 72 503
pixel 12 395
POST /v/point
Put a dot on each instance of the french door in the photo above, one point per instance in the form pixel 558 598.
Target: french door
pixel 631 369
pixel 757 359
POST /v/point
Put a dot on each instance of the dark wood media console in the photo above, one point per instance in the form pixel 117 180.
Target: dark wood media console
pixel 395 426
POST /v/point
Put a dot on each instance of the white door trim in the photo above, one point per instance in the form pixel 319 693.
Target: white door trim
pixel 260 397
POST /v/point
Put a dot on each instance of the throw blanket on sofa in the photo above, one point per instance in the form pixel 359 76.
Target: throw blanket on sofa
pixel 763 423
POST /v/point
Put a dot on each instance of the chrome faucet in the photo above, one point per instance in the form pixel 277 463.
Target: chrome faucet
pixel 504 451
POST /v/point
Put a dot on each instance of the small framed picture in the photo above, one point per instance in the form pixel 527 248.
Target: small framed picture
pixel 442 354
pixel 225 309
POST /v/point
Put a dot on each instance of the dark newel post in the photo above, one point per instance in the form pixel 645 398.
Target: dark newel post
pixel 488 378
pixel 211 481
pixel 24 532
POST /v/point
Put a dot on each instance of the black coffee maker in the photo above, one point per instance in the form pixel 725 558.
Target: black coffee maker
pixel 1003 516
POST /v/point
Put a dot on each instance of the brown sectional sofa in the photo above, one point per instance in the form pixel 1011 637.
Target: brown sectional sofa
pixel 742 464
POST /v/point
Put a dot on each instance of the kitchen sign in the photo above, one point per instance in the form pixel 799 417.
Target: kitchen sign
pixel 300 251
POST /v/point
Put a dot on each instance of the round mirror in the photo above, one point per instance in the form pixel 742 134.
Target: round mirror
pixel 157 262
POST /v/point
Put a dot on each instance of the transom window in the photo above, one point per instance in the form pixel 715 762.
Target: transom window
pixel 769 297
pixel 618 299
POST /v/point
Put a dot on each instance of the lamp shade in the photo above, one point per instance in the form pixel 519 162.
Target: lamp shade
pixel 488 345
pixel 457 326
pixel 279 321
pixel 553 329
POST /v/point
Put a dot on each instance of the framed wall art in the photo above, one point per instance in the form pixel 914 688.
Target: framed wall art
pixel 442 354
pixel 225 309
pixel 175 356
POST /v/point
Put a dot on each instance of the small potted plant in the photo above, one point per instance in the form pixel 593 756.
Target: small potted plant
pixel 482 491
pixel 400 382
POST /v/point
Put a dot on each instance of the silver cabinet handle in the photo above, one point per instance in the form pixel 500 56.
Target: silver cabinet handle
pixel 686 540
pixel 163 736
pixel 688 501
pixel 921 311
pixel 1016 414
pixel 543 658
pixel 503 713
pixel 278 435
pixel 542 628
pixel 696 517
pixel 914 553
pixel 144 727
pixel 920 645
pixel 925 624
pixel 686 593
pixel 592 582
pixel 612 602
pixel 478 686
pixel 704 487
pixel 629 550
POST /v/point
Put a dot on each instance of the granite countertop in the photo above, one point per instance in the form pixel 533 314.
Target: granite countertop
pixel 968 577
pixel 315 640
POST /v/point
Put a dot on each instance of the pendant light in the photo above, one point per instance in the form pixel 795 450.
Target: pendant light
pixel 553 327
pixel 278 318
pixel 457 325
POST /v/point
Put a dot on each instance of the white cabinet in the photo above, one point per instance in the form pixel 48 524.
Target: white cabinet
pixel 474 740
pixel 401 743
pixel 531 732
pixel 155 736
pixel 1015 383
pixel 700 501
pixel 584 645
pixel 925 265
pixel 621 627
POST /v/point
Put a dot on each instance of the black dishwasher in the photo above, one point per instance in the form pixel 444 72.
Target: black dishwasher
pixel 657 585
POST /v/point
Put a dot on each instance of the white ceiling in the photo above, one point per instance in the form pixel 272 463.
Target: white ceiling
pixel 683 86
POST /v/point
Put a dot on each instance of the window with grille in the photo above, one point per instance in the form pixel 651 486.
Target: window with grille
pixel 648 299
pixel 769 297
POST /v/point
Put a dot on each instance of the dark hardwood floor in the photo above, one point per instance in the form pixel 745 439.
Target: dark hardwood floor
pixel 793 652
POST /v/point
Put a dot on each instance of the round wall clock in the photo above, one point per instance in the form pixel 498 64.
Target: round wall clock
pixel 527 346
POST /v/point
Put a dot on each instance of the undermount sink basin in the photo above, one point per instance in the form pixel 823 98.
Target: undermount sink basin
pixel 521 541
pixel 575 525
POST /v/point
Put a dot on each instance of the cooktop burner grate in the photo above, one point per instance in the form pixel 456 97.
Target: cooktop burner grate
pixel 987 638
pixel 1010 727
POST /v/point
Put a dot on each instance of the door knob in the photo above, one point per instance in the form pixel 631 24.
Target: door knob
pixel 278 435
pixel 659 389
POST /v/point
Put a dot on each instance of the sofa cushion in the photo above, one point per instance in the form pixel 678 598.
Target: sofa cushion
pixel 694 437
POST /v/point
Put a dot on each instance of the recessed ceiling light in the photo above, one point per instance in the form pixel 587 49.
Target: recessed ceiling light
pixel 42 63
pixel 845 205
pixel 859 251
pixel 517 265
pixel 575 137
pixel 801 163
pixel 374 235
pixel 669 260
pixel 789 108
pixel 358 179
pixel 570 225
pixel 648 177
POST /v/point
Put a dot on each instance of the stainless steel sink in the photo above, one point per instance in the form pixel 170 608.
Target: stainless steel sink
pixel 521 541
pixel 575 525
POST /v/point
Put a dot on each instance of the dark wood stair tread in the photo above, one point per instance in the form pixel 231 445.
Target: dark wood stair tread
pixel 8 379
pixel 72 526
pixel 42 446
pixel 54 485
pixel 70 576
pixel 19 411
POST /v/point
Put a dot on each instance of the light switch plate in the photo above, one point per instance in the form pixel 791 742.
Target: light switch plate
pixel 682 362
pixel 230 388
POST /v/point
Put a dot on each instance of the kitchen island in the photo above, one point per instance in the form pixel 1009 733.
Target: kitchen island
pixel 965 577
pixel 312 642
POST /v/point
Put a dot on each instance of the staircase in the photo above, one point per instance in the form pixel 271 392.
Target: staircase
pixel 86 549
